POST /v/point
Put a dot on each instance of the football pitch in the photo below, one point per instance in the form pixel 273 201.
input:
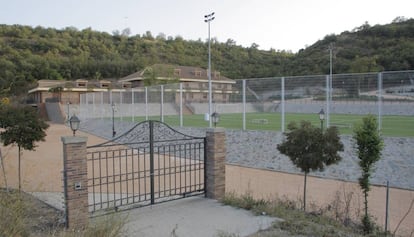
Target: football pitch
pixel 395 126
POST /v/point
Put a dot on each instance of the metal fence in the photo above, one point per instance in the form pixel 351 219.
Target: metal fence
pixel 266 103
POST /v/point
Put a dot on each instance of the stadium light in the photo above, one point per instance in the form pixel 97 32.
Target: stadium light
pixel 208 18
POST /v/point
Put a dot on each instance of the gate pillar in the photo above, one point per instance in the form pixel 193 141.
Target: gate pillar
pixel 215 163
pixel 75 179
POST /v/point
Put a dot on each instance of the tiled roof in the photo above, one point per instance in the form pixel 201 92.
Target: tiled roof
pixel 50 83
pixel 181 72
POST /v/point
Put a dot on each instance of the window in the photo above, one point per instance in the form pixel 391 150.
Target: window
pixel 81 83
pixel 177 72
pixel 197 73
pixel 105 85
pixel 126 85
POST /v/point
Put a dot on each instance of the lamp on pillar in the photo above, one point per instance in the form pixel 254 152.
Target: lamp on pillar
pixel 215 118
pixel 74 123
pixel 321 117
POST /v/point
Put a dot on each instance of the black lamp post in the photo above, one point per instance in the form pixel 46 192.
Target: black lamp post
pixel 74 123
pixel 215 118
pixel 113 120
pixel 321 117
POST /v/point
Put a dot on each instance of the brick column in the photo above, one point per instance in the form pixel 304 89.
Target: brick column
pixel 216 162
pixel 75 178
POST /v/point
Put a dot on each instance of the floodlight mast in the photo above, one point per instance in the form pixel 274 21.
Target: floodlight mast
pixel 208 18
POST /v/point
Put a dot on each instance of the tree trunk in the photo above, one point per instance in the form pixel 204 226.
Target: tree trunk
pixel 4 170
pixel 20 183
pixel 366 202
pixel 304 192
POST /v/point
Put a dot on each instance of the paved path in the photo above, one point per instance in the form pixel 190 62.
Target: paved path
pixel 194 216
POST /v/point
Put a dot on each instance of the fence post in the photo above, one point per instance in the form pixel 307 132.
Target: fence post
pixel 75 179
pixel 386 206
pixel 215 163
pixel 162 103
pixel 132 105
pixel 380 101
pixel 282 99
pixel 328 106
pixel 146 103
pixel 244 103
pixel 181 104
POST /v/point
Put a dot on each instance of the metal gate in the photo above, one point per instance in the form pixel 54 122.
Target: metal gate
pixel 151 163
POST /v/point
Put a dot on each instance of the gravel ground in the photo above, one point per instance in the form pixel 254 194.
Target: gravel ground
pixel 257 149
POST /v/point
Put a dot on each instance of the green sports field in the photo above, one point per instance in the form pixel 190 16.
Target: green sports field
pixel 396 126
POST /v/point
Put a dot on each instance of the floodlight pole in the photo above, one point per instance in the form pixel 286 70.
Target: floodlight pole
pixel 208 18
pixel 328 111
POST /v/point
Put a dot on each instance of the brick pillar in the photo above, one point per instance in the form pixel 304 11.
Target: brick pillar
pixel 216 162
pixel 75 178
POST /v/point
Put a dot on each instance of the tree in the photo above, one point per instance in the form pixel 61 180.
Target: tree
pixel 369 145
pixel 159 75
pixel 21 126
pixel 309 148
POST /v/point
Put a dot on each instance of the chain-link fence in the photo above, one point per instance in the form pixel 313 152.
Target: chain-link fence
pixel 267 103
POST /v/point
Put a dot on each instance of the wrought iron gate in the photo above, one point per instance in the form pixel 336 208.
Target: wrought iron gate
pixel 151 163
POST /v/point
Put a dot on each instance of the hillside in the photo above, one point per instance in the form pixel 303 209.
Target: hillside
pixel 366 49
pixel 29 54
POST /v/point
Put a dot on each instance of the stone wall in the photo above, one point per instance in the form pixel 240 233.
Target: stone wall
pixel 257 149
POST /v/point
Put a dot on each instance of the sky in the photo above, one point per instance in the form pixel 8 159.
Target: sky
pixel 278 24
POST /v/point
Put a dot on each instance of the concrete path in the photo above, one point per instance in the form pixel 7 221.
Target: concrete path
pixel 195 216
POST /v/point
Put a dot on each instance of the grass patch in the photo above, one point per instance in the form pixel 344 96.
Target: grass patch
pixel 401 126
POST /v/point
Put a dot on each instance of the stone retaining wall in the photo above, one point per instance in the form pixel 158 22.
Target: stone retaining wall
pixel 257 149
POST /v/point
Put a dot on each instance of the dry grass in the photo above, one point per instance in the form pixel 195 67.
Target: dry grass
pixel 23 215
pixel 296 222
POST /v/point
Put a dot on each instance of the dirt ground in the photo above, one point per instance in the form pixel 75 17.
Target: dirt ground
pixel 325 194
pixel 42 172
pixel 41 169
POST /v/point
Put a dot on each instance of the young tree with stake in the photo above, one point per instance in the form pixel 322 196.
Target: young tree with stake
pixel 369 145
pixel 310 148
pixel 22 126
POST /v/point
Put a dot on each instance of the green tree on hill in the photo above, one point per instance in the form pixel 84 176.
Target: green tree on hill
pixel 29 54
